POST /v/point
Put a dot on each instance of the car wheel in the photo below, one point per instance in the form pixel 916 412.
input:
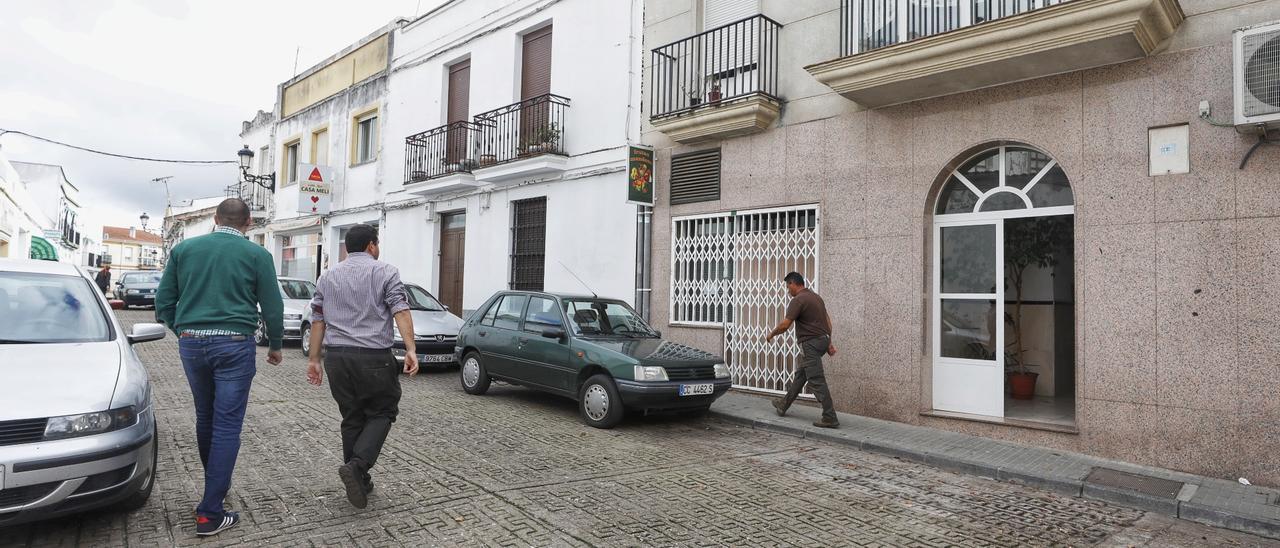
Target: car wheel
pixel 306 340
pixel 260 334
pixel 139 498
pixel 475 380
pixel 599 403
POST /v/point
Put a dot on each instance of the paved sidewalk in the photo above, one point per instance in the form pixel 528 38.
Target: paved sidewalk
pixel 1210 501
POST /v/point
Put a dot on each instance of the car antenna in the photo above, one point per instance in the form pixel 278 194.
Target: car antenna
pixel 584 284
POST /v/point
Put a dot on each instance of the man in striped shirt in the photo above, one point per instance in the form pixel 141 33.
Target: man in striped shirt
pixel 351 314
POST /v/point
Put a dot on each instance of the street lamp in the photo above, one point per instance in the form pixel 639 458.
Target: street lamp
pixel 267 181
pixel 144 218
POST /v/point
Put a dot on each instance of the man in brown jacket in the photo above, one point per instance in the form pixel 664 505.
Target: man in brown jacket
pixel 813 331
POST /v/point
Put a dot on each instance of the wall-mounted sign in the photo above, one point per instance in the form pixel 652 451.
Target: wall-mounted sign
pixel 640 176
pixel 314 189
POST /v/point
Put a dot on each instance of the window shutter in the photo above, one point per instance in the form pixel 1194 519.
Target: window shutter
pixel 716 13
pixel 535 73
pixel 459 91
pixel 695 177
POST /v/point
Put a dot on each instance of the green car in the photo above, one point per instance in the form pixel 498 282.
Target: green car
pixel 596 351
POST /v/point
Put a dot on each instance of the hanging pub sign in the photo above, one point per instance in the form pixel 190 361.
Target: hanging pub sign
pixel 314 189
pixel 640 176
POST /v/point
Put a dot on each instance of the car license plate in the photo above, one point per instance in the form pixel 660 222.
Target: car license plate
pixel 149 296
pixel 697 389
pixel 435 358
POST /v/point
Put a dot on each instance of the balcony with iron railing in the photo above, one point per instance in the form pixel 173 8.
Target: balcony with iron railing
pixel 441 160
pixel 719 83
pixel 897 51
pixel 256 196
pixel 522 140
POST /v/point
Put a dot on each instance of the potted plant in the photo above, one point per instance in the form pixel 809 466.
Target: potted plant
pixel 548 137
pixel 488 159
pixel 1033 242
pixel 417 176
pixel 695 98
pixel 714 95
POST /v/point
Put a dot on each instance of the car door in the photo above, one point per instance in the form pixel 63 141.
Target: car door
pixel 544 361
pixel 501 336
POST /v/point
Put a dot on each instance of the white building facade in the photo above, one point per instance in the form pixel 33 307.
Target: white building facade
pixel 511 120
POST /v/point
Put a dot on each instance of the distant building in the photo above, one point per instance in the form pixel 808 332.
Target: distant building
pixel 188 220
pixel 21 221
pixel 130 249
pixel 58 200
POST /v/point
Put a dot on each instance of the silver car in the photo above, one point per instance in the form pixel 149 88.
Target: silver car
pixel 297 294
pixel 435 330
pixel 77 426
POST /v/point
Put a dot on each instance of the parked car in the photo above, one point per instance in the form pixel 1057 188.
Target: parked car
pixel 607 358
pixel 138 288
pixel 297 294
pixel 435 329
pixel 77 425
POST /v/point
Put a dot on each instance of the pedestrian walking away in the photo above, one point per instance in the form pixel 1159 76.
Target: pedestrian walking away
pixel 210 296
pixel 352 312
pixel 103 279
pixel 808 312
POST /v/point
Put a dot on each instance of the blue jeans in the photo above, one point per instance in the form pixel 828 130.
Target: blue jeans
pixel 220 371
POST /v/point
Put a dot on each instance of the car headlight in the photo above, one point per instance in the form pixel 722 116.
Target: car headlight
pixel 650 373
pixel 722 371
pixel 293 316
pixel 88 424
pixel 133 292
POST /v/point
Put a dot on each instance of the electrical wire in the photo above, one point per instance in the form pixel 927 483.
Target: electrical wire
pixel 4 132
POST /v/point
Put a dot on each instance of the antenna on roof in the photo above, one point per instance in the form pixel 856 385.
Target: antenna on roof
pixel 584 284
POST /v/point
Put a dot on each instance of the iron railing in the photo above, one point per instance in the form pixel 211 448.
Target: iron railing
pixel 446 150
pixel 253 194
pixel 866 25
pixel 727 63
pixel 532 127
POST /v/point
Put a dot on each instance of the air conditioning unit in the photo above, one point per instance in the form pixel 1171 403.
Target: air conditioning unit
pixel 1257 76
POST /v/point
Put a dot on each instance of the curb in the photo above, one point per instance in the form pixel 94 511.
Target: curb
pixel 1213 516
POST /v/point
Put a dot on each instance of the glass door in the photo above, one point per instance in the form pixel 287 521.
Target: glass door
pixel 968 303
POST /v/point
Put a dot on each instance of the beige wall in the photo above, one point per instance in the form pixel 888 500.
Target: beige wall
pixel 1177 277
pixel 344 72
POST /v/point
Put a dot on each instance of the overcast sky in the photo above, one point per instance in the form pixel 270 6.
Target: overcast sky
pixel 158 78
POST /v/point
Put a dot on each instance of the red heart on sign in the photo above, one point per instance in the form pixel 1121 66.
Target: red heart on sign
pixel 315 199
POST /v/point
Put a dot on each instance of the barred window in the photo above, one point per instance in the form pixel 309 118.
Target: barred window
pixel 528 244
pixel 701 269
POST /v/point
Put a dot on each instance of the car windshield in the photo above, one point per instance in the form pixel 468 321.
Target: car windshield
pixel 141 278
pixel 419 299
pixel 608 318
pixel 52 308
pixel 297 289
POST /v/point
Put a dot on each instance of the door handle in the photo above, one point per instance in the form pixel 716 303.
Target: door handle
pixel 483 333
pixel 523 341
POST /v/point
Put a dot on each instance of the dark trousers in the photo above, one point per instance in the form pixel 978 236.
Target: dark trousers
pixel 366 385
pixel 810 372
pixel 220 371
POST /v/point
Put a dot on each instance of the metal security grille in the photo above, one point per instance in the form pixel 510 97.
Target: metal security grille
pixel 528 244
pixel 727 271
pixel 695 177
pixel 1261 73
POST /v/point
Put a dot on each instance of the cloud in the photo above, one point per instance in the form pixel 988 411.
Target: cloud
pixel 158 78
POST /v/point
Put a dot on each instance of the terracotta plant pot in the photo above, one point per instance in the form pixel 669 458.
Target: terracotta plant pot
pixel 488 159
pixel 1023 384
pixel 714 96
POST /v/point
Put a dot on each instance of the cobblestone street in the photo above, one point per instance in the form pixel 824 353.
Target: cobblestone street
pixel 515 468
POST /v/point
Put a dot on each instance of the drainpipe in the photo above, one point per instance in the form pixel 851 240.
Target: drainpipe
pixel 644 235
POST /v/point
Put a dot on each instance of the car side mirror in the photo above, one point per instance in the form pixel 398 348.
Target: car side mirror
pixel 553 333
pixel 145 332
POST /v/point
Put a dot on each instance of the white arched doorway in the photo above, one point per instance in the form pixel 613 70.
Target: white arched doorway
pixel 1003 229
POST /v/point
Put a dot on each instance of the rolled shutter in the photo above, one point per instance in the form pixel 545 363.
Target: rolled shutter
pixel 695 177
pixel 535 74
pixel 716 13
pixel 459 91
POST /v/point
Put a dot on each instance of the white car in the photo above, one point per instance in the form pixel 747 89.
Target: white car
pixel 297 294
pixel 77 426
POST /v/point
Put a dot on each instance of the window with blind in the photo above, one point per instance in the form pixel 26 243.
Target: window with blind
pixel 528 244
pixel 695 177
pixel 717 13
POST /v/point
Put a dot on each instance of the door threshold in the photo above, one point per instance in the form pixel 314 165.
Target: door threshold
pixel 1004 421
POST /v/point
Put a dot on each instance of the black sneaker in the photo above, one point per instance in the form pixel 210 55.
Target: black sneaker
pixel 207 527
pixel 354 483
pixel 824 423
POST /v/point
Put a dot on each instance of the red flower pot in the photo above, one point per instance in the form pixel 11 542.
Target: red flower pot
pixel 1023 385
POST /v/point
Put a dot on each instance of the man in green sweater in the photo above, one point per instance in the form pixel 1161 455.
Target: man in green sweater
pixel 210 296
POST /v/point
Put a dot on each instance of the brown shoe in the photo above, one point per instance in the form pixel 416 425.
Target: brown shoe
pixel 780 407
pixel 826 424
